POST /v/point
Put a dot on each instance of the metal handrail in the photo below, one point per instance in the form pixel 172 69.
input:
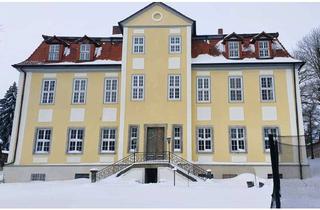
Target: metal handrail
pixel 142 157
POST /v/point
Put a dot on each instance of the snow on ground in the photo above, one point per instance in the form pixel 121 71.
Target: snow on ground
pixel 116 192
pixel 296 193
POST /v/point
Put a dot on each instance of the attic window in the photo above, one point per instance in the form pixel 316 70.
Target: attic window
pixel 54 50
pixel 234 49
pixel 157 16
pixel 264 49
pixel 85 52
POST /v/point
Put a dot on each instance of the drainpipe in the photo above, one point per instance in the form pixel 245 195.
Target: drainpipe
pixel 297 116
pixel 19 119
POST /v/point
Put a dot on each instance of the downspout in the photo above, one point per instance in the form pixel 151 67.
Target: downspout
pixel 19 119
pixel 297 116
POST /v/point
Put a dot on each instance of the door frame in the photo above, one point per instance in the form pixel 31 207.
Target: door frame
pixel 146 126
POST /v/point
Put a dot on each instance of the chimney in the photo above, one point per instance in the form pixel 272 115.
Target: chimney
pixel 220 31
pixel 116 30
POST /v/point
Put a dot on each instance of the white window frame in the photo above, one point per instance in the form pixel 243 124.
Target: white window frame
pixel 108 140
pixel 133 138
pixel 266 131
pixel 174 44
pixel 234 49
pixel 264 49
pixel 138 87
pixel 177 139
pixel 47 93
pixel 173 87
pixel 44 142
pixel 205 139
pixel 54 52
pixel 78 93
pixel 111 93
pixel 235 141
pixel 269 91
pixel 85 51
pixel 138 47
pixel 78 142
pixel 201 91
pixel 235 89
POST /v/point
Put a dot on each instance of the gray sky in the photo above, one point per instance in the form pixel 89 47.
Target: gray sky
pixel 22 24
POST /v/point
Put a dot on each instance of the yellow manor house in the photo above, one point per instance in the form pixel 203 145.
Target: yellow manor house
pixel 153 97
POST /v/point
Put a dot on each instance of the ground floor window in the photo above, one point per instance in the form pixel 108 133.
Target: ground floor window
pixel 43 139
pixel 75 140
pixel 177 138
pixel 204 137
pixel 266 131
pixel 133 138
pixel 237 138
pixel 108 139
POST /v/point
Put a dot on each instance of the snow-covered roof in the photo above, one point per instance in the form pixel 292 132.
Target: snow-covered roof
pixel 96 62
pixel 209 59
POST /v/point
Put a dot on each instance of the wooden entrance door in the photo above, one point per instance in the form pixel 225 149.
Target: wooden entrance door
pixel 155 140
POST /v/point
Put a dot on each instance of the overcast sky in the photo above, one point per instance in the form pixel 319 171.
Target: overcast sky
pixel 22 24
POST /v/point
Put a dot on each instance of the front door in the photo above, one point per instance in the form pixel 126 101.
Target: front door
pixel 155 142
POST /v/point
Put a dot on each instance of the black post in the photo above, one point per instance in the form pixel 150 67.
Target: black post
pixel 275 170
pixel 174 177
pixel 134 156
pixel 94 172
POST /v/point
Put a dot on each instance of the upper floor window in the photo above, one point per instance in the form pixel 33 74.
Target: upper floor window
pixel 137 87
pixel 111 89
pixel 43 138
pixel 54 52
pixel 203 89
pixel 48 90
pixel 234 49
pixel 133 138
pixel 264 49
pixel 237 139
pixel 177 138
pixel 269 130
pixel 175 44
pixel 79 91
pixel 235 89
pixel 267 88
pixel 85 52
pixel 204 139
pixel 76 136
pixel 108 140
pixel 174 87
pixel 138 44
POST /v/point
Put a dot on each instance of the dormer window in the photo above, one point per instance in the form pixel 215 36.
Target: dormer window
pixel 234 47
pixel 264 49
pixel 54 52
pixel 84 52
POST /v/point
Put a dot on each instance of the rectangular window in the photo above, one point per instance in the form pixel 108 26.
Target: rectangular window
pixel 111 90
pixel 203 89
pixel 48 90
pixel 137 87
pixel 264 49
pixel 269 130
pixel 38 177
pixel 174 87
pixel 138 44
pixel 177 138
pixel 76 136
pixel 133 138
pixel 54 52
pixel 234 49
pixel 85 52
pixel 238 139
pixel 79 91
pixel 267 88
pixel 108 140
pixel 43 138
pixel 175 44
pixel 235 89
pixel 204 139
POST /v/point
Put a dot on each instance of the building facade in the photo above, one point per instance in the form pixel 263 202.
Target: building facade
pixel 154 86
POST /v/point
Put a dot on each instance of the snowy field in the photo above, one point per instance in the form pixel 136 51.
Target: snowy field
pixel 114 192
pixel 117 192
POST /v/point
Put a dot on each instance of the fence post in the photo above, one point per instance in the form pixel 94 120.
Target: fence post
pixel 275 170
pixel 134 156
pixel 169 157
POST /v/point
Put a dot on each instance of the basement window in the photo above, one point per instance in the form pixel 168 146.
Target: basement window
pixel 38 177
